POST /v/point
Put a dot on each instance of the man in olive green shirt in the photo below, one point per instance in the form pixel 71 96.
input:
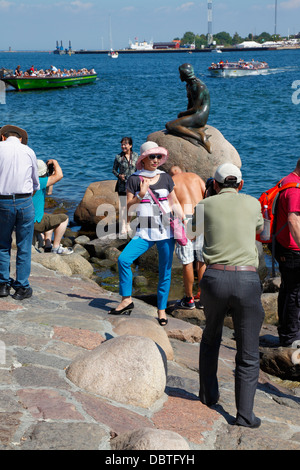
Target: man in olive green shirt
pixel 231 284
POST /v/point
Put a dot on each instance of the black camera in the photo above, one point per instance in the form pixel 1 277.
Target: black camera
pixel 50 167
pixel 209 188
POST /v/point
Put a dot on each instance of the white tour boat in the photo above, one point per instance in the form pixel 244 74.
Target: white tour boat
pixel 238 69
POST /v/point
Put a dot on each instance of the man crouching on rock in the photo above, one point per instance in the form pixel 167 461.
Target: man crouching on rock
pixel 49 223
pixel 231 283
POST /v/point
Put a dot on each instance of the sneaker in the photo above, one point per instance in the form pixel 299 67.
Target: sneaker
pixel 186 302
pixel 62 250
pixel 48 249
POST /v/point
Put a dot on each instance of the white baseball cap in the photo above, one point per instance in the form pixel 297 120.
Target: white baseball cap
pixel 227 170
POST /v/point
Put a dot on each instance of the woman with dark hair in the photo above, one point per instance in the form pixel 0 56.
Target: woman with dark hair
pixel 124 166
pixel 153 226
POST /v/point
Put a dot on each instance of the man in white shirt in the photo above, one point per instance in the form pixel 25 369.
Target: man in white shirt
pixel 18 180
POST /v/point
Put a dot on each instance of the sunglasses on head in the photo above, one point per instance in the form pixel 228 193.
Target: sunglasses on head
pixel 154 155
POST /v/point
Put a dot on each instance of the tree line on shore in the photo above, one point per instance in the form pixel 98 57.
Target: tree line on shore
pixel 225 39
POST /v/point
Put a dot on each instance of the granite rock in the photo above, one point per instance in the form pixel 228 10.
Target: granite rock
pixel 127 369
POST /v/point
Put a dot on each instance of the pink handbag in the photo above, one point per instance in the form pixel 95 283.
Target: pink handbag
pixel 178 230
pixel 175 224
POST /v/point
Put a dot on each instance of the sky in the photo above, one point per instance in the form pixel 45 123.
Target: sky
pixel 96 24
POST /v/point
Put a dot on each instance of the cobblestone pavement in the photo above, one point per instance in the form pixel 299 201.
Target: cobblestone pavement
pixel 42 409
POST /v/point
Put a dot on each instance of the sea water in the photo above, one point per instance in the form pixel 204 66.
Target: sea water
pixel 137 94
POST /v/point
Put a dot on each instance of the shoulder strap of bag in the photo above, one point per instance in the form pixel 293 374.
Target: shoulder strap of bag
pixel 155 199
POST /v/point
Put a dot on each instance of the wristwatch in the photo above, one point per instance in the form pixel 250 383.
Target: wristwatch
pixel 139 197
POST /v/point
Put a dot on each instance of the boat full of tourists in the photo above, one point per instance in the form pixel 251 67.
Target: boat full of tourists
pixel 237 69
pixel 42 80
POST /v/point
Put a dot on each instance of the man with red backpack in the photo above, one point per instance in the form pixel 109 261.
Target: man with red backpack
pixel 287 253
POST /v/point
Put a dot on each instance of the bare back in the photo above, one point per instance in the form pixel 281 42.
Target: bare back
pixel 189 189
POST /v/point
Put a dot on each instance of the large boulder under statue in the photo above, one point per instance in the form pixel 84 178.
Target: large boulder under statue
pixel 196 159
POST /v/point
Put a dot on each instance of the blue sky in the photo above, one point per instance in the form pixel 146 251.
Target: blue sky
pixel 38 24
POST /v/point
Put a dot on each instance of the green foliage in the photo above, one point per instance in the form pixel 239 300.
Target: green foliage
pixel 236 39
pixel 225 39
pixel 188 38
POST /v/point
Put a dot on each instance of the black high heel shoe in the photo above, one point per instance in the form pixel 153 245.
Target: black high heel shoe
pixel 162 321
pixel 124 311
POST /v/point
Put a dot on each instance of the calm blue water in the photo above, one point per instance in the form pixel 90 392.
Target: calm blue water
pixel 137 94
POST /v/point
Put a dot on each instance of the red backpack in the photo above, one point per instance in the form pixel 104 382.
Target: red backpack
pixel 268 200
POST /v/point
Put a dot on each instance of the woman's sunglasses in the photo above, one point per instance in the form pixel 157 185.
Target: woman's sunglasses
pixel 153 156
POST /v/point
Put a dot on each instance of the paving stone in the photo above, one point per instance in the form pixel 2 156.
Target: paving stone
pixel 5 378
pixel 64 436
pixel 188 417
pixel 83 338
pixel 9 423
pixel 9 401
pixel 31 357
pixel 186 354
pixel 6 306
pixel 118 419
pixel 32 376
pixel 23 341
pixel 238 438
pixel 48 404
pixel 65 350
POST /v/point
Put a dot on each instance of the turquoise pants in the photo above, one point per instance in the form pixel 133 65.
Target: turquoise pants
pixel 135 248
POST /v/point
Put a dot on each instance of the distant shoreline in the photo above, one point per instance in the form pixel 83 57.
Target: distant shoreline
pixel 166 51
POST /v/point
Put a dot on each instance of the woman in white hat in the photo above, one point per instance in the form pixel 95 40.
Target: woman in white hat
pixel 153 227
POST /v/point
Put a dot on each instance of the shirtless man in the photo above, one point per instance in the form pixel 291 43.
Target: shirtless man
pixel 189 189
pixel 190 123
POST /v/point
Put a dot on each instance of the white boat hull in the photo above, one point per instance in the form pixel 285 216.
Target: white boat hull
pixel 236 72
pixel 240 69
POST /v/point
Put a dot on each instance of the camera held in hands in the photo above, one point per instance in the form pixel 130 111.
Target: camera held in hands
pixel 50 167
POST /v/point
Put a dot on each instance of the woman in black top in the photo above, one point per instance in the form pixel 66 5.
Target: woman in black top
pixel 124 166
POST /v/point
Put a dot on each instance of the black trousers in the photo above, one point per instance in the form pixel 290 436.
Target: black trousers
pixel 240 293
pixel 289 295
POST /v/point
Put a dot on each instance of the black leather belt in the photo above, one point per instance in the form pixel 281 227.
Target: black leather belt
pixel 226 267
pixel 14 196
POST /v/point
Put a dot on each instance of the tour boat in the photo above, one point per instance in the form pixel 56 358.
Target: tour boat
pixel 45 82
pixel 237 69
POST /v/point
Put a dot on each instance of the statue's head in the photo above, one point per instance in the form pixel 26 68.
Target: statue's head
pixel 187 71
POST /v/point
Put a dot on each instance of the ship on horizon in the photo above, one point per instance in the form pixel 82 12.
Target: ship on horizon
pixel 140 46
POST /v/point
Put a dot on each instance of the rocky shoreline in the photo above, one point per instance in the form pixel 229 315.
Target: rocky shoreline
pixel 53 398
